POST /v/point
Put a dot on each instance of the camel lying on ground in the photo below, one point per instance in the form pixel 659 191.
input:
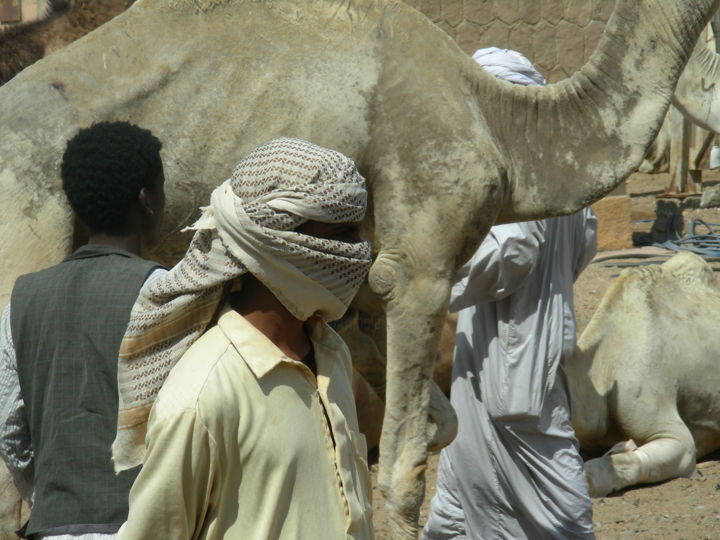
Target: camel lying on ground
pixel 647 369
pixel 447 150
pixel 646 373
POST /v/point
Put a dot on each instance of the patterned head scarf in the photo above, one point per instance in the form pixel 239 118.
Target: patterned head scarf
pixel 509 66
pixel 248 227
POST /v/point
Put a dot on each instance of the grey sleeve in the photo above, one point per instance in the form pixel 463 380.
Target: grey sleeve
pixel 500 265
pixel 586 240
pixel 15 445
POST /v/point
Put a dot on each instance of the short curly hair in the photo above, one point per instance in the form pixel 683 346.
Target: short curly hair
pixel 103 169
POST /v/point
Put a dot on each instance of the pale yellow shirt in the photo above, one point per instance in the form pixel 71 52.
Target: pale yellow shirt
pixel 239 445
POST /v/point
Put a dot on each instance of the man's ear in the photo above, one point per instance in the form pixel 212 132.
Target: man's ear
pixel 144 199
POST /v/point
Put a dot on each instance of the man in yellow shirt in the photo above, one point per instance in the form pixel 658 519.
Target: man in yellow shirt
pixel 253 434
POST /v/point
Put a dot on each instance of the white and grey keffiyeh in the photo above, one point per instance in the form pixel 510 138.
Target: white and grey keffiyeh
pixel 509 65
pixel 248 227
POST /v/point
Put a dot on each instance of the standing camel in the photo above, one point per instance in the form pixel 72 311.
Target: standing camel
pixel 697 97
pixel 447 150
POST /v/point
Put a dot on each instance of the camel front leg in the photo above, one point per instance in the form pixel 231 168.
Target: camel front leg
pixel 369 379
pixel 667 455
pixel 415 312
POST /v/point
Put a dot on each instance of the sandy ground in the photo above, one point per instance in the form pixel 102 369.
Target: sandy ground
pixel 682 509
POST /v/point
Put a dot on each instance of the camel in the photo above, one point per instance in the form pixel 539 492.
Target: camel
pixel 697 94
pixel 647 368
pixel 696 97
pixel 447 150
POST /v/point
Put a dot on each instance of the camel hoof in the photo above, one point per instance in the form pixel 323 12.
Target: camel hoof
pixel 598 476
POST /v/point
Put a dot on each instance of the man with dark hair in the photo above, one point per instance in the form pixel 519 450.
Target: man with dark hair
pixel 60 335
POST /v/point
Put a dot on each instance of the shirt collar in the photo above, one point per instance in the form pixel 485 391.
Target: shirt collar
pixel 259 353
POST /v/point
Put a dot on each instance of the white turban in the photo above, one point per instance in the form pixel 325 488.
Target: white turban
pixel 509 66
pixel 248 227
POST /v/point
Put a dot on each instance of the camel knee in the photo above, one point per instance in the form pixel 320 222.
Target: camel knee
pixel 686 462
pixel 672 456
pixel 383 277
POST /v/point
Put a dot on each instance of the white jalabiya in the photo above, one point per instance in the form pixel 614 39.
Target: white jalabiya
pixel 514 469
pixel 248 227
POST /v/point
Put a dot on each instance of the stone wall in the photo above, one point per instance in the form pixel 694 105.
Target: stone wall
pixel 557 35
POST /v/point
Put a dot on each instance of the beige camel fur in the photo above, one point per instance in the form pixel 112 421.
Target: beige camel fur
pixel 647 369
pixel 697 94
pixel 24 44
pixel 447 149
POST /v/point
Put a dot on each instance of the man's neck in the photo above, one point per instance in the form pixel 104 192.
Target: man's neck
pixel 265 312
pixel 130 242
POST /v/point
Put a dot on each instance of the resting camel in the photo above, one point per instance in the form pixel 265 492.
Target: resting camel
pixel 647 368
pixel 447 150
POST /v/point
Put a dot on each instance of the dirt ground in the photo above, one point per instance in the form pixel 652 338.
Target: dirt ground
pixel 682 509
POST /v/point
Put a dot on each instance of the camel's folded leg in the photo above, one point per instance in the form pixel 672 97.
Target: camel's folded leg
pixel 669 454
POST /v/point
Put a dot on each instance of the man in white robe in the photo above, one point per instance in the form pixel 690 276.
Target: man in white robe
pixel 514 470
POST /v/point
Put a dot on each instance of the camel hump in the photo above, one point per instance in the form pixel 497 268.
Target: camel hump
pixel 684 270
pixel 688 268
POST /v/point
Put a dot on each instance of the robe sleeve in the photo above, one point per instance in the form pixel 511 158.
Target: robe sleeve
pixel 500 265
pixel 586 240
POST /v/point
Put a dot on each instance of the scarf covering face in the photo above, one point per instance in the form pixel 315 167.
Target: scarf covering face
pixel 509 66
pixel 248 227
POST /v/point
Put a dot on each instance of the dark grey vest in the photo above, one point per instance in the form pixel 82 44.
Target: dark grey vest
pixel 67 323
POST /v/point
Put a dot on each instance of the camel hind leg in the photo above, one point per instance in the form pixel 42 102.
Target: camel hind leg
pixel 369 389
